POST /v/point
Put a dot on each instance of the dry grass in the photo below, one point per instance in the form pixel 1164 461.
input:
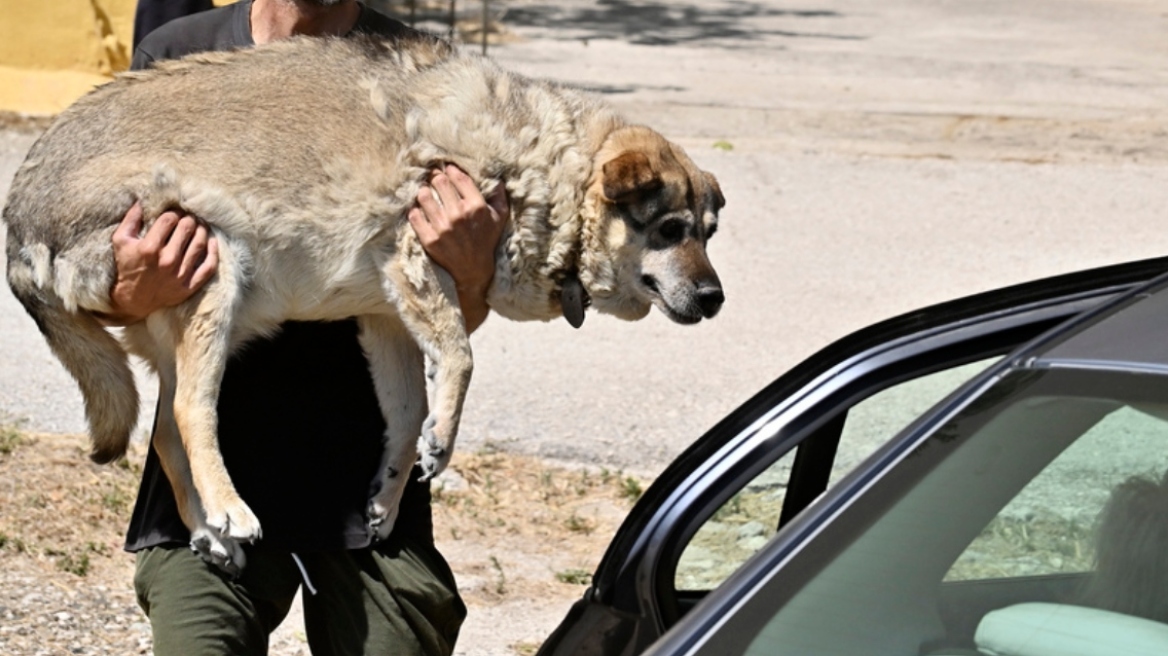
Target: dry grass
pixel 542 527
pixel 65 583
pixel 60 509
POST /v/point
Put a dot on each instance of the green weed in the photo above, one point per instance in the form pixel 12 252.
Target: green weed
pixel 10 439
pixel 574 576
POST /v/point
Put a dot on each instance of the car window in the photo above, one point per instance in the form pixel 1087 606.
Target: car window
pixel 874 420
pixel 745 523
pixel 1050 526
pixel 1033 522
pixel 736 531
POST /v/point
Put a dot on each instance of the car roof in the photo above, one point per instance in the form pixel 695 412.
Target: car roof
pixel 1131 336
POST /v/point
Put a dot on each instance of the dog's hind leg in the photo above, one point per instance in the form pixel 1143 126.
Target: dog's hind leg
pixel 427 302
pixel 395 361
pixel 202 346
pixel 223 552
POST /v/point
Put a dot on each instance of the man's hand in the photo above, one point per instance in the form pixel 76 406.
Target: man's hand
pixel 459 229
pixel 161 268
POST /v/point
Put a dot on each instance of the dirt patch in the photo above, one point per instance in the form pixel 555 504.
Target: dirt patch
pixel 522 536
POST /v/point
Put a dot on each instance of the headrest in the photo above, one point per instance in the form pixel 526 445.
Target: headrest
pixel 1038 629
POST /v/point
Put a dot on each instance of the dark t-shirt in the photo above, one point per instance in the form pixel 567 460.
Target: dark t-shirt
pixel 152 14
pixel 300 428
pixel 229 28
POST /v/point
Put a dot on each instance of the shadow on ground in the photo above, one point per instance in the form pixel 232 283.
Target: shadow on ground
pixel 665 23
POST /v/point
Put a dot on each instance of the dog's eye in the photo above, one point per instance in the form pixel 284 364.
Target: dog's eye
pixel 672 231
pixel 711 229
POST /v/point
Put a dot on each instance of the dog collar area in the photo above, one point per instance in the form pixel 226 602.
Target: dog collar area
pixel 573 300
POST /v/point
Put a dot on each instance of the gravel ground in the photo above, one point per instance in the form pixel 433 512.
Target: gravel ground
pixel 875 158
pixel 42 617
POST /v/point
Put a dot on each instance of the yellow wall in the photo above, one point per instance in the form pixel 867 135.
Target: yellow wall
pixel 53 51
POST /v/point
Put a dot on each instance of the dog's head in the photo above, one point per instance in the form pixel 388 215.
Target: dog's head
pixel 653 211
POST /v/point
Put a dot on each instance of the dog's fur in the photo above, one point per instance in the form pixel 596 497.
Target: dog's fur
pixel 304 157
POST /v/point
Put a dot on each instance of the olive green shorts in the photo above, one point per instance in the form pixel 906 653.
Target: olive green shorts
pixel 398 597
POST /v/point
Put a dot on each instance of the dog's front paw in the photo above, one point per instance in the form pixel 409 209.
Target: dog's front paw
pixel 224 553
pixel 236 522
pixel 433 454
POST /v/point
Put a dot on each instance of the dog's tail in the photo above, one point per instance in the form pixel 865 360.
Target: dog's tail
pixel 92 355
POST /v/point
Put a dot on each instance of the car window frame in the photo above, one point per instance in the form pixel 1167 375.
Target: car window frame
pixel 819 406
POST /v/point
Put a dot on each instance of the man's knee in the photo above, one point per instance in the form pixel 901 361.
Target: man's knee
pixel 421 583
pixel 399 597
pixel 193 608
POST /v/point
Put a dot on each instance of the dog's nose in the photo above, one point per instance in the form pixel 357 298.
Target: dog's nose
pixel 710 299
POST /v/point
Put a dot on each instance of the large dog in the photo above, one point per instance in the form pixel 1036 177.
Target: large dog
pixel 304 158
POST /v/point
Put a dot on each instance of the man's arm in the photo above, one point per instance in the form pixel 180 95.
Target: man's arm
pixel 459 229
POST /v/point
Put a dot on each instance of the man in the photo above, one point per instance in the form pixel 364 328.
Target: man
pixel 300 428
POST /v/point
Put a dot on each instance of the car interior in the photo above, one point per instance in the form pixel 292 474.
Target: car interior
pixel 1033 524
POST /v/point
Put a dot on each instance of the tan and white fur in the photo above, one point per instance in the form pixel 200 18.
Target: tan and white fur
pixel 304 157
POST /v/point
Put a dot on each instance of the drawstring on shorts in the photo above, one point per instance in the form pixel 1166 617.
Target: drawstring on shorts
pixel 304 575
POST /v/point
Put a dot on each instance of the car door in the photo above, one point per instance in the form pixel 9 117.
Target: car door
pixel 725 496
pixel 1023 515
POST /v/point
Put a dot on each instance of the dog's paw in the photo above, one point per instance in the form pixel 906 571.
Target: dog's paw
pixel 380 519
pixel 382 510
pixel 236 522
pixel 432 463
pixel 433 455
pixel 224 553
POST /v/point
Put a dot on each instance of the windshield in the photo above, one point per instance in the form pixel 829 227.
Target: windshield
pixel 1031 518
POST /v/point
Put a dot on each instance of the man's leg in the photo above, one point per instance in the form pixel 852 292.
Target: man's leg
pixel 196 609
pixel 398 597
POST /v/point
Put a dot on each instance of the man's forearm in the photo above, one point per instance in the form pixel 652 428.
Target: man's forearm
pixel 474 308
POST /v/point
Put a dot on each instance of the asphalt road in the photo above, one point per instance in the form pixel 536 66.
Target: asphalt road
pixel 875 158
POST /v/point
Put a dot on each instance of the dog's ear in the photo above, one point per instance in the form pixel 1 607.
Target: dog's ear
pixel 715 190
pixel 627 176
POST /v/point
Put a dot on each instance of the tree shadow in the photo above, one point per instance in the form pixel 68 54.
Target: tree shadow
pixel 663 23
